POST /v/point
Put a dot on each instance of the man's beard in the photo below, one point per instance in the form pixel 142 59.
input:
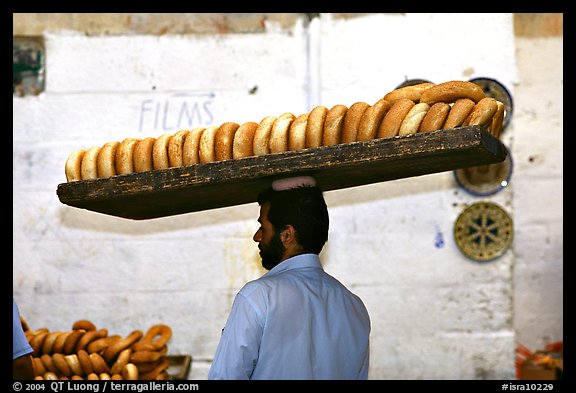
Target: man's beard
pixel 272 252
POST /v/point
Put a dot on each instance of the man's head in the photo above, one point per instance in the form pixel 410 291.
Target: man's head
pixel 293 221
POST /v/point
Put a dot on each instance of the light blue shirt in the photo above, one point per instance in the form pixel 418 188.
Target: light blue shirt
pixel 294 322
pixel 20 345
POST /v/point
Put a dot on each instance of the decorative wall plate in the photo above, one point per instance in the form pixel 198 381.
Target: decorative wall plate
pixel 483 231
pixel 485 179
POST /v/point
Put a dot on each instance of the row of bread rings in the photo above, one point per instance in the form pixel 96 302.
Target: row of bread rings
pixel 407 110
pixel 85 350
pixel 80 366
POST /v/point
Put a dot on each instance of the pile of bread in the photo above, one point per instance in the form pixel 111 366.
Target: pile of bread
pixel 407 110
pixel 88 353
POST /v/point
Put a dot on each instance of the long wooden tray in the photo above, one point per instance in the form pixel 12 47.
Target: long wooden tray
pixel 167 192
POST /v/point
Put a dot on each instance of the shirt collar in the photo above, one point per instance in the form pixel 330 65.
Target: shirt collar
pixel 296 262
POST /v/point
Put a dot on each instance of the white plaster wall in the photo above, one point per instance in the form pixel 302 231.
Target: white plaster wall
pixel 538 193
pixel 390 242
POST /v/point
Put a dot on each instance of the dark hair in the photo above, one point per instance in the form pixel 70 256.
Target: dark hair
pixel 302 207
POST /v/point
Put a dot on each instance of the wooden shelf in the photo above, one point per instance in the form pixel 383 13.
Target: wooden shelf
pixel 167 192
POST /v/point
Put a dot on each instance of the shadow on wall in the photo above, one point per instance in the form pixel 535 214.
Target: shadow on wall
pixel 75 218
pixel 436 182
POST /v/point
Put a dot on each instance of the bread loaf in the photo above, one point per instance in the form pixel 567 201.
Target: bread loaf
pixel 279 133
pixel 243 144
pixel 297 132
pixel 333 125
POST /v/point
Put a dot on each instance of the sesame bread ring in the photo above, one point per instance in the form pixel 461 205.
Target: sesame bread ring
pixel 71 340
pixel 107 159
pixel 121 361
pixel 48 344
pixel 39 368
pixel 88 337
pixel 146 356
pixel 36 343
pixel 74 364
pixel 101 344
pixel 206 147
pixel 104 377
pixel 351 121
pixel 157 335
pixel 152 374
pixel 28 335
pixel 99 364
pixel 315 126
pixel 125 156
pixel 50 376
pixel 143 155
pixel 49 363
pixel 412 92
pixel 92 377
pixel 243 144
pixel 160 158
pixel 458 113
pixel 61 364
pixel 146 366
pixel 89 167
pixel 130 372
pixel 224 141
pixel 390 125
pixel 411 122
pixel 38 331
pixel 25 326
pixel 297 132
pixel 190 155
pixel 144 346
pixel 113 350
pixel 73 166
pixel 333 125
pixel 85 362
pixel 261 144
pixel 495 127
pixel 371 120
pixel 176 148
pixel 162 376
pixel 31 333
pixel 451 91
pixel 84 324
pixel 279 133
pixel 435 118
pixel 482 113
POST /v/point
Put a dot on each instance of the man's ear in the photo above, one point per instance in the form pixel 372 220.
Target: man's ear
pixel 288 235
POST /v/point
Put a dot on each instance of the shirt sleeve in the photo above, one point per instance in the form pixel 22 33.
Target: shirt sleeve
pixel 237 351
pixel 363 374
pixel 20 345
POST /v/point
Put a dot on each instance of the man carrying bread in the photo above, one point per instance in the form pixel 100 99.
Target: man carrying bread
pixel 296 321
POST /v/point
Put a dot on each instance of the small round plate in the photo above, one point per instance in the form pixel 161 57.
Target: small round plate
pixel 483 231
pixel 493 88
pixel 484 180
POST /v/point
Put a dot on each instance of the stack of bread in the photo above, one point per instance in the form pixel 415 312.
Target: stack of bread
pixel 88 353
pixel 419 108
